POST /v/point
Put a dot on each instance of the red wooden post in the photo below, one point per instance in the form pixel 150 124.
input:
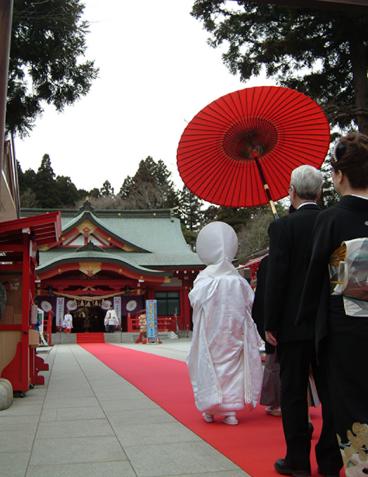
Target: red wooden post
pixel 26 310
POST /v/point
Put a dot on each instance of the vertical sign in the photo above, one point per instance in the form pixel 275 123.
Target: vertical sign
pixel 59 311
pixel 117 307
pixel 151 317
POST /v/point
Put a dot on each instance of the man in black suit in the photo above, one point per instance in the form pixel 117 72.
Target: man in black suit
pixel 289 255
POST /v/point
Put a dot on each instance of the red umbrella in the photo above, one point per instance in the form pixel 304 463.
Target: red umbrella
pixel 239 150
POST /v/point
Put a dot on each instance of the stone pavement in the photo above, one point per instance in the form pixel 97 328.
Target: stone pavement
pixel 89 422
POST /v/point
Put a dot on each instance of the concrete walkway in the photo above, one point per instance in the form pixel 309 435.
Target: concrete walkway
pixel 89 422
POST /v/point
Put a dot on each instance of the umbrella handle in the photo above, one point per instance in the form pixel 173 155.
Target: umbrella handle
pixel 266 188
pixel 271 202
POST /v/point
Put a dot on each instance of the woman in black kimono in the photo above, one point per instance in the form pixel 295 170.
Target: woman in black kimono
pixel 341 313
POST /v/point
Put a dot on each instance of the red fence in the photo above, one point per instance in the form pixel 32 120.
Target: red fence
pixel 164 323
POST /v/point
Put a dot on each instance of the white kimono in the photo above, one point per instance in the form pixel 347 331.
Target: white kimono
pixel 224 361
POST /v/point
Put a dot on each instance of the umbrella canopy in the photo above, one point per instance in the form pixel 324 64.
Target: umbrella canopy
pixel 239 150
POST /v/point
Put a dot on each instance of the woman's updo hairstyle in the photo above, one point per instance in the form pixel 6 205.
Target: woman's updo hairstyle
pixel 351 158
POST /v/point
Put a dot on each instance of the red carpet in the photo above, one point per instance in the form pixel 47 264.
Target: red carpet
pixel 90 338
pixel 253 445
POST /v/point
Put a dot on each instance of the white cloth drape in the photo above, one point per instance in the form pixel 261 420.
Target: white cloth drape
pixel 224 360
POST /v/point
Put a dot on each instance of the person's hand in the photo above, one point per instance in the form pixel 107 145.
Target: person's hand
pixel 270 338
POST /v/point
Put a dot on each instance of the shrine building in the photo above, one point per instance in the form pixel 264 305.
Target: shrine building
pixel 117 257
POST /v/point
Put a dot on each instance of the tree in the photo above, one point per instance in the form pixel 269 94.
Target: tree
pixel 107 190
pixel 47 45
pixel 66 191
pixel 253 236
pixel 189 210
pixel 105 202
pixel 44 186
pixel 150 187
pixel 42 189
pixel 323 53
pixel 28 199
pixel 190 213
pixel 95 193
pixel 329 194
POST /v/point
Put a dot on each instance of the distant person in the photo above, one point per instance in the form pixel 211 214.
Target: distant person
pixel 224 361
pixel 289 254
pixel 87 324
pixel 336 290
pixel 111 320
pixel 67 322
pixel 270 395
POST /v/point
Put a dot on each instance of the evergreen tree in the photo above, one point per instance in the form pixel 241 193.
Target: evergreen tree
pixel 66 191
pixel 126 188
pixel 254 235
pixel 43 190
pixel 45 185
pixel 191 215
pixel 94 193
pixel 47 47
pixel 236 217
pixel 28 199
pixel 210 214
pixel 329 195
pixel 150 187
pixel 189 210
pixel 107 190
pixel 26 181
pixel 323 53
pixel 82 194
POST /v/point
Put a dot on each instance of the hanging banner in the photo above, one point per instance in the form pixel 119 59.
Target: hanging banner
pixel 117 307
pixel 59 311
pixel 151 316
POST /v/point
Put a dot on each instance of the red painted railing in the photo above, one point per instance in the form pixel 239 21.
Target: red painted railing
pixel 164 323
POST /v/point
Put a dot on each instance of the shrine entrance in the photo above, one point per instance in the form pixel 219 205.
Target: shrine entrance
pixel 89 319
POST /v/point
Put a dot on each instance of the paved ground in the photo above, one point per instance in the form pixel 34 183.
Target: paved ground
pixel 89 422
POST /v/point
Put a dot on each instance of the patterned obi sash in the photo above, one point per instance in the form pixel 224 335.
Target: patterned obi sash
pixel 348 269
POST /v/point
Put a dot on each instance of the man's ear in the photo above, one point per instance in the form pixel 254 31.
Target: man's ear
pixel 292 194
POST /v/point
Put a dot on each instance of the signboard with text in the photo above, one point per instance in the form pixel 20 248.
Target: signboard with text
pixel 59 311
pixel 151 317
pixel 117 307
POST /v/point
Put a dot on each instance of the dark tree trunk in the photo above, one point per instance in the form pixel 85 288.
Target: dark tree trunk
pixel 358 54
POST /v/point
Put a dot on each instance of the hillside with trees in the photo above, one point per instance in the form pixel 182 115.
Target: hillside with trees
pixel 150 187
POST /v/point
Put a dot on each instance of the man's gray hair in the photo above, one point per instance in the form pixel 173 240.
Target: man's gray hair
pixel 307 182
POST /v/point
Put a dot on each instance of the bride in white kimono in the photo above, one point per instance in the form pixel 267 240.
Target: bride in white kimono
pixel 224 361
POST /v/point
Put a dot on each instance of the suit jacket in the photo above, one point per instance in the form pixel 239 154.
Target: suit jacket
pixel 346 220
pixel 289 255
pixel 258 308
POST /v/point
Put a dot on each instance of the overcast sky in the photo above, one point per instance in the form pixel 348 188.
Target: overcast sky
pixel 156 73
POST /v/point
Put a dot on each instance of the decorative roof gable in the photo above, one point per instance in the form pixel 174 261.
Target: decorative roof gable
pixel 87 228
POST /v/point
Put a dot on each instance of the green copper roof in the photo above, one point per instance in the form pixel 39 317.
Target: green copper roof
pixel 151 234
pixel 143 260
pixel 156 234
pixel 95 256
